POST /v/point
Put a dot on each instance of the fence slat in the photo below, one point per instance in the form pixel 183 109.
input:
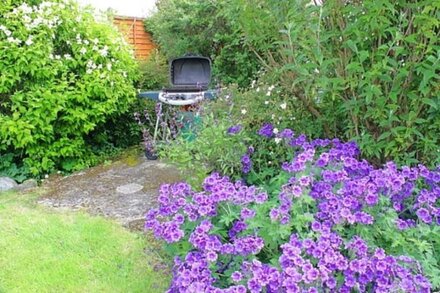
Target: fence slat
pixel 133 29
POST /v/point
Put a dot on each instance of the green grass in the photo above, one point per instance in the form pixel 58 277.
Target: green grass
pixel 46 251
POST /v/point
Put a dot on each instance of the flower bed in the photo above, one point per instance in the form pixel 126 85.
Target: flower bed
pixel 329 223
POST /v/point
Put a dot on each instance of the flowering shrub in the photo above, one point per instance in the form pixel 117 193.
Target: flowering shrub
pixel 62 75
pixel 326 222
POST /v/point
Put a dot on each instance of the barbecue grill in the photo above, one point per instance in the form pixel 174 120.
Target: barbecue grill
pixel 190 77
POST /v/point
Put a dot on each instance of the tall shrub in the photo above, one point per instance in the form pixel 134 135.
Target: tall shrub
pixel 360 69
pixel 62 74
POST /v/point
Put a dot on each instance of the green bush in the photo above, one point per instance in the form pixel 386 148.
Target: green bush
pixel 208 28
pixel 154 72
pixel 62 75
pixel 366 70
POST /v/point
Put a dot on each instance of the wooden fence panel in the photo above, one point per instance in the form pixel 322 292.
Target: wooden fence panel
pixel 134 32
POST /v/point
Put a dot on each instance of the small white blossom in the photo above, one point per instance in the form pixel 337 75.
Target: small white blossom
pixel 51 56
pixel 104 51
pixel 95 41
pixel 273 116
pixel 283 106
pixel 83 50
pixel 109 66
pixel 124 74
pixel 243 111
pixel 67 56
pixel 29 41
pixel 316 70
pixel 266 102
pixel 89 71
pixel 7 32
pixel 275 131
pixel 257 90
pixel 277 140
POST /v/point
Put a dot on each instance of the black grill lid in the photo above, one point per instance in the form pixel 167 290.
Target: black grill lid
pixel 191 72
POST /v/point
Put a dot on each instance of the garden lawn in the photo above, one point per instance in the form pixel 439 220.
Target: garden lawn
pixel 47 251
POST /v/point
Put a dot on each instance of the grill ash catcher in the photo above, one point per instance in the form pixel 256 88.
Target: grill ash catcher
pixel 190 77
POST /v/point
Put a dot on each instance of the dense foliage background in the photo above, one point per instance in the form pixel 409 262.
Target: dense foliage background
pixel 63 76
pixel 363 70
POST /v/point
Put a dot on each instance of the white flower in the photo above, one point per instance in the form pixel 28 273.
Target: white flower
pixel 243 111
pixel 67 56
pixel 257 90
pixel 316 70
pixel 266 102
pixel 109 66
pixel 29 41
pixel 83 50
pixel 277 140
pixel 275 131
pixel 86 42
pixel 271 88
pixel 14 41
pixel 283 106
pixel 104 51
pixel 51 56
pixel 46 176
pixel 7 32
pixel 268 93
pixel 88 71
pixel 2 28
pixel 273 116
pixel 95 41
pixel 253 84
pixel 124 74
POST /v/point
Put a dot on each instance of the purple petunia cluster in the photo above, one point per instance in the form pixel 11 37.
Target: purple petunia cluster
pixel 229 253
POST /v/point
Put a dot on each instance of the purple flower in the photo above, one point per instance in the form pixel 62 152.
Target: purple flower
pixel 247 213
pixel 236 276
pixel 234 129
pixel 424 215
pixel 316 226
pixel 266 130
pixel 246 163
pixel 286 133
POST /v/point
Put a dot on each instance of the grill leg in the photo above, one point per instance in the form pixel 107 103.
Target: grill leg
pixel 156 128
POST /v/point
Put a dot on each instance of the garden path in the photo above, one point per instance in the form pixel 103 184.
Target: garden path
pixel 122 190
